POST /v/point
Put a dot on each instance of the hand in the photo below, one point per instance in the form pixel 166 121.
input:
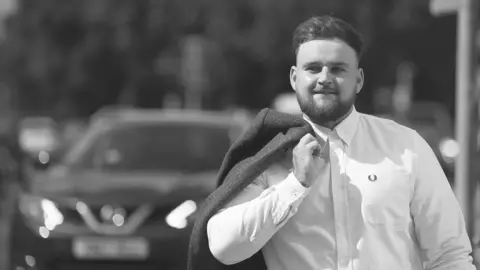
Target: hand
pixel 307 163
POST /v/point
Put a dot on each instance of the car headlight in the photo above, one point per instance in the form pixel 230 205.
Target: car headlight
pixel 178 217
pixel 41 211
pixel 449 149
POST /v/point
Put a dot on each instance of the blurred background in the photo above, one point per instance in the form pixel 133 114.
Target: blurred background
pixel 67 59
pixel 69 68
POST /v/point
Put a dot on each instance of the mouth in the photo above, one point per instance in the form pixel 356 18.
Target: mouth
pixel 325 92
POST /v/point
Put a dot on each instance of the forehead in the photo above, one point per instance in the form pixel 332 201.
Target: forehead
pixel 325 51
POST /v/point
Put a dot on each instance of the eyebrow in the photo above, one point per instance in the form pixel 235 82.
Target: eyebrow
pixel 314 63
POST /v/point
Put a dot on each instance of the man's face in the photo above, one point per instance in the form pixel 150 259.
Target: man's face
pixel 326 79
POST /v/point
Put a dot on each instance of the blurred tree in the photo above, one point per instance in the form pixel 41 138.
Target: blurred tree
pixel 70 57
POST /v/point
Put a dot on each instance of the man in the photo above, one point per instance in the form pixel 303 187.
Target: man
pixel 380 201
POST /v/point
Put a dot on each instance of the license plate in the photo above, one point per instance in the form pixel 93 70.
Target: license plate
pixel 110 248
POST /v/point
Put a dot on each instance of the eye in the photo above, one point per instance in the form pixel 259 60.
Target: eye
pixel 314 69
pixel 337 69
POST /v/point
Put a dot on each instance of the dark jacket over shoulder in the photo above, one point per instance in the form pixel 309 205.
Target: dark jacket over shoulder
pixel 268 138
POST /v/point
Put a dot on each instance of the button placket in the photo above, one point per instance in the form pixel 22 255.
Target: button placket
pixel 339 200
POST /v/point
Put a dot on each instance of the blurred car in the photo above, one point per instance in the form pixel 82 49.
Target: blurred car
pixel 39 139
pixel 125 194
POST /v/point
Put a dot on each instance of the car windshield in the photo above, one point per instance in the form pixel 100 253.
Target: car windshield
pixel 175 147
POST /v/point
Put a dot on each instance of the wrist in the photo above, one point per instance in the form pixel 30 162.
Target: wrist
pixel 302 180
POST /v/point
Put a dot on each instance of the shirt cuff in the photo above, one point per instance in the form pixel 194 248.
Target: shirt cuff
pixel 291 190
pixel 290 194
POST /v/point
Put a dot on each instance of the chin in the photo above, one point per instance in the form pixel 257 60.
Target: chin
pixel 326 105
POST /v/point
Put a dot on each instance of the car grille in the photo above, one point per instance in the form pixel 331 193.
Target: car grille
pixel 157 217
pixel 71 216
pixel 97 209
pixel 159 213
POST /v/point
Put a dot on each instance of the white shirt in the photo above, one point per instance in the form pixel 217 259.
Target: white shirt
pixel 383 203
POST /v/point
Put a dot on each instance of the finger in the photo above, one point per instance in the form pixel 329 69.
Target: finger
pixel 315 148
pixel 312 145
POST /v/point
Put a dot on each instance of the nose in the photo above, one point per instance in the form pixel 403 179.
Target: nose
pixel 325 76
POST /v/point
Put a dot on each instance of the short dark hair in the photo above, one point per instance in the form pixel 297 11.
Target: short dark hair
pixel 327 27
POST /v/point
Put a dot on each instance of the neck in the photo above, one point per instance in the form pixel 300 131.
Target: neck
pixel 332 124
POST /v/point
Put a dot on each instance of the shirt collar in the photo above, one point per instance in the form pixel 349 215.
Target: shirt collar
pixel 345 129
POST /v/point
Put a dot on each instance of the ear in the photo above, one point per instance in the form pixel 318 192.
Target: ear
pixel 360 80
pixel 293 77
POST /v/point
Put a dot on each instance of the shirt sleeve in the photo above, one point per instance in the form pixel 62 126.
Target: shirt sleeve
pixel 439 222
pixel 246 224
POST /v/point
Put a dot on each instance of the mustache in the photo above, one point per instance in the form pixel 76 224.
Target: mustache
pixel 324 90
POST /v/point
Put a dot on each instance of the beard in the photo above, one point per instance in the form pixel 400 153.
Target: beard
pixel 330 111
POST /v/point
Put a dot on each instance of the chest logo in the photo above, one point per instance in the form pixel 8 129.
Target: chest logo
pixel 372 178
